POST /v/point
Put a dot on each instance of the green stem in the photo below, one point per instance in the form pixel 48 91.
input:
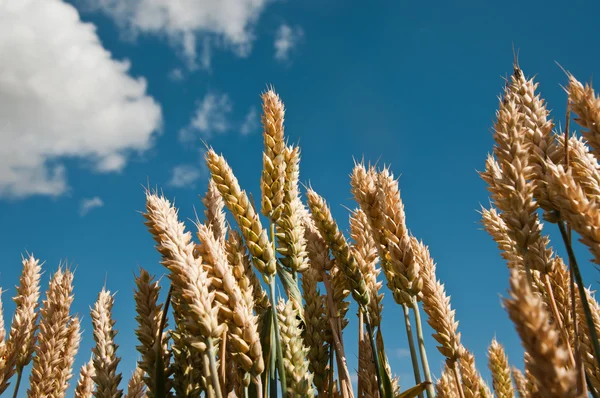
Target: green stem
pixel 18 383
pixel 426 372
pixel 279 351
pixel 411 346
pixel 382 392
pixel 214 375
pixel 582 293
pixel 159 371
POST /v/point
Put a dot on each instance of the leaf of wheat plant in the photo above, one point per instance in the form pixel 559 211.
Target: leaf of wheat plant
pixel 224 331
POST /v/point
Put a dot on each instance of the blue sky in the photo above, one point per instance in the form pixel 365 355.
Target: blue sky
pixel 98 100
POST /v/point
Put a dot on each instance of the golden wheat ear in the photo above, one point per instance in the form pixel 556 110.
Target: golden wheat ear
pixel 106 377
pixel 55 336
pixel 136 387
pixel 498 364
pixel 85 383
pixel 586 104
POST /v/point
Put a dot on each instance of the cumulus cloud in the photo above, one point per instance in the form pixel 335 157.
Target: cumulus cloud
pixel 185 21
pixel 286 39
pixel 186 175
pixel 211 117
pixel 250 123
pixel 62 96
pixel 89 204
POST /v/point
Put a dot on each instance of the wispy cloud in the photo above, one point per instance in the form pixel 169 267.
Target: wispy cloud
pixel 286 39
pixel 231 22
pixel 176 74
pixel 88 204
pixel 251 122
pixel 186 176
pixel 401 353
pixel 211 117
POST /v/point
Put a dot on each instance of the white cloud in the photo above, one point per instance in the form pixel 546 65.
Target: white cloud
pixel 186 176
pixel 251 122
pixel 211 117
pixel 286 39
pixel 88 204
pixel 62 95
pixel 183 21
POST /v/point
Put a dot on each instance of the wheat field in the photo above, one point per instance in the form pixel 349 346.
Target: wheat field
pixel 259 293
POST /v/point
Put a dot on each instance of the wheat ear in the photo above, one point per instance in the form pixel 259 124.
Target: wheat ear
pixel 498 364
pixel 273 175
pixel 299 379
pixel 24 326
pixel 317 333
pixel 213 212
pixel 328 228
pixel 53 336
pixel 585 339
pixel 106 377
pixel 446 385
pixel 85 383
pixel 548 356
pixel 237 256
pixel 241 321
pixel 4 369
pixel 136 387
pixel 152 339
pixel 520 383
pixel 584 102
pixel 236 200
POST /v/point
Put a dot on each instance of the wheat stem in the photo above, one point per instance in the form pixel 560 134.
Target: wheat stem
pixel 214 375
pixel 411 346
pixel 382 393
pixel 18 382
pixel 426 372
pixel 559 323
pixel 455 372
pixel 582 295
pixel 278 350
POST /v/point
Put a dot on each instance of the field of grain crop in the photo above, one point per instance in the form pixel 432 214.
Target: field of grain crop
pixel 259 290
